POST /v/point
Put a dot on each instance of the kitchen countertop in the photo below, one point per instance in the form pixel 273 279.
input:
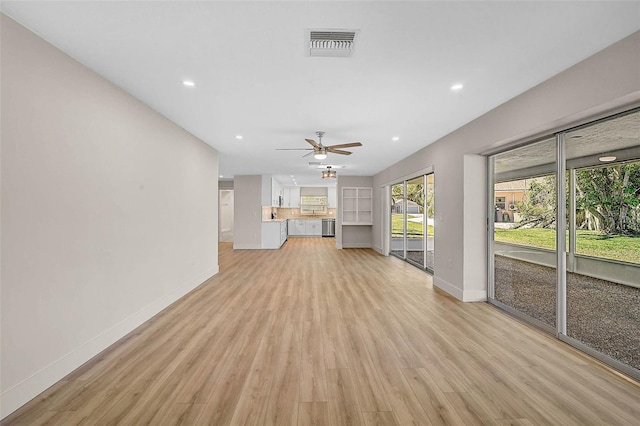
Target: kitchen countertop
pixel 311 218
pixel 297 218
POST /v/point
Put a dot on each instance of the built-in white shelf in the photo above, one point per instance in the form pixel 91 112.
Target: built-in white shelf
pixel 357 206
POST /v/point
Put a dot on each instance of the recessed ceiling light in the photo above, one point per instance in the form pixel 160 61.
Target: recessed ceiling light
pixel 607 158
pixel 188 83
pixel 239 137
pixel 457 87
pixel 221 176
pixel 290 175
pixel 395 138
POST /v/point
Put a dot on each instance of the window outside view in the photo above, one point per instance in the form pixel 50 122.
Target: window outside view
pixel 607 212
pixel 525 260
pixel 602 190
pixel 412 216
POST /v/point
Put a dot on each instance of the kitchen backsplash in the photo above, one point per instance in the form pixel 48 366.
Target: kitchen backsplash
pixel 286 213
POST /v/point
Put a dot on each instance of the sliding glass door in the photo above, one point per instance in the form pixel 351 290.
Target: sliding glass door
pixel 565 237
pixel 412 224
pixel 430 220
pixel 398 220
pixel 524 234
pixel 603 263
pixel 415 221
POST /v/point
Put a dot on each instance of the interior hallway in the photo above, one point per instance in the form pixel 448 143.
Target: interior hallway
pixel 309 334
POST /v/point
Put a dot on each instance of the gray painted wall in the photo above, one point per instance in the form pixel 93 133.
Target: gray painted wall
pixel 247 212
pixel 605 83
pixel 109 214
pixel 225 184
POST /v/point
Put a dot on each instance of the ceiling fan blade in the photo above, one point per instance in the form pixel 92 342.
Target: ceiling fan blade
pixel 346 145
pixel 311 153
pixel 338 151
pixel 294 149
pixel 312 142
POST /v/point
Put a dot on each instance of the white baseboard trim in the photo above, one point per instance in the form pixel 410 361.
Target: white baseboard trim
pixel 25 391
pixel 378 249
pixel 448 287
pixel 356 245
pixel 247 246
pixel 462 295
pixel 475 296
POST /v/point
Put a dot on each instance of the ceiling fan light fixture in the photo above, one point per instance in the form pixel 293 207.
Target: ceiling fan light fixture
pixel 320 154
pixel 320 151
pixel 328 174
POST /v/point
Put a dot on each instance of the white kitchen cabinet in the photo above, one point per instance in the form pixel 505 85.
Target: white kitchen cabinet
pixel 313 227
pixel 283 231
pixel 305 227
pixel 276 192
pixel 271 191
pixel 300 228
pixel 291 196
pixel 274 234
pixel 357 206
pixel 332 199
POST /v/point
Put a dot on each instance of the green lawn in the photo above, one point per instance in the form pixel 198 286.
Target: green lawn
pixel 414 229
pixel 589 243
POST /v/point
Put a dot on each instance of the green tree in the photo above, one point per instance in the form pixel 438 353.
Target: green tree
pixel 397 194
pixel 415 193
pixel 538 206
pixel 609 198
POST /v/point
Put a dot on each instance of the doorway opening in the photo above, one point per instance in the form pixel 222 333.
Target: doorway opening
pixel 225 225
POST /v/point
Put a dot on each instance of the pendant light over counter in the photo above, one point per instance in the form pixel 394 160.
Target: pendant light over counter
pixel 328 174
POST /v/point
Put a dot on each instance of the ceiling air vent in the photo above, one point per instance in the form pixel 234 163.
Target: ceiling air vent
pixel 331 43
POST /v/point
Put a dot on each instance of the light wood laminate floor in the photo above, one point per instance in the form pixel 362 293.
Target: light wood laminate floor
pixel 311 335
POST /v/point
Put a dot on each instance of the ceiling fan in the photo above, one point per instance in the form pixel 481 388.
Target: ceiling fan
pixel 320 151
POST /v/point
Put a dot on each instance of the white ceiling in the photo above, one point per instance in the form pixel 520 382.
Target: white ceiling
pixel 253 78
